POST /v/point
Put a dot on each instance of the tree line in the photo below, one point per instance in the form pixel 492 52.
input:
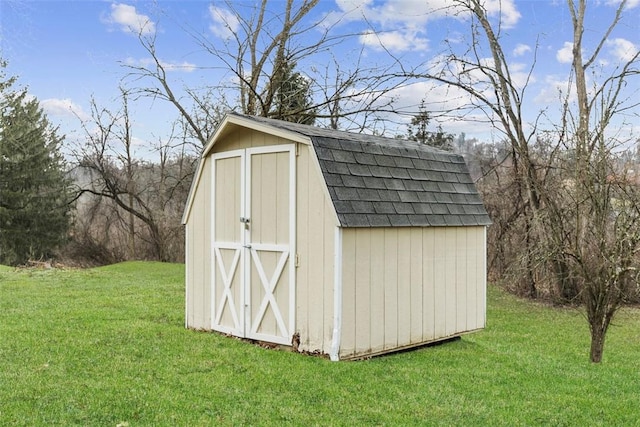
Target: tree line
pixel 564 199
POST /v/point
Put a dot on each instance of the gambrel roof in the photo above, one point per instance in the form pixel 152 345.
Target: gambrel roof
pixel 384 182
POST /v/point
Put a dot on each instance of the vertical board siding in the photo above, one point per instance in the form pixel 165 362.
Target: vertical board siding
pixel 389 254
pixel 362 308
pixel 407 286
pixel 377 313
pixel 348 340
pixel 429 252
pixel 314 273
pixel 199 256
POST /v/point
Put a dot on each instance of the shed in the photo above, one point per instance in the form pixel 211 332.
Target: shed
pixel 332 242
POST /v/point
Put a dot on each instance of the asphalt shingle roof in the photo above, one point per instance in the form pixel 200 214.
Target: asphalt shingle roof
pixel 380 182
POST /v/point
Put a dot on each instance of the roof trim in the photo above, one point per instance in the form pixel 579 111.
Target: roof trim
pixel 233 120
pixel 230 122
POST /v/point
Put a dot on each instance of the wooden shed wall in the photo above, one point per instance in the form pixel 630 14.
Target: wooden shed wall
pixel 407 286
pixel 198 255
pixel 316 224
pixel 315 230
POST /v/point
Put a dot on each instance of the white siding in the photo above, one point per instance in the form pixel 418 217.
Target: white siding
pixel 315 234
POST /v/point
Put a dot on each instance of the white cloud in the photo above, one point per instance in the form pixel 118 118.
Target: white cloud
pixel 554 90
pixel 129 20
pixel 630 4
pixel 225 23
pixel 565 55
pixel 402 24
pixel 168 66
pixel 622 49
pixel 505 9
pixel 63 108
pixel 397 41
pixel 521 49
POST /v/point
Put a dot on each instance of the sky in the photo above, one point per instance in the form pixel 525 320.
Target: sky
pixel 68 52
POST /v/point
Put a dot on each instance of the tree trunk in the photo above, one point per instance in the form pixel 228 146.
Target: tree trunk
pixel 597 342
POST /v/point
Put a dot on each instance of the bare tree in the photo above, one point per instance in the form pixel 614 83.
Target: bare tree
pixel 579 211
pixel 263 49
pixel 147 197
pixel 606 204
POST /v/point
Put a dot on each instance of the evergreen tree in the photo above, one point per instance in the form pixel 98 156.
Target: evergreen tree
pixel 34 189
pixel 293 100
pixel 418 131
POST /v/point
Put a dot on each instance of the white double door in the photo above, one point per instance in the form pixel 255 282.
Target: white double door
pixel 253 235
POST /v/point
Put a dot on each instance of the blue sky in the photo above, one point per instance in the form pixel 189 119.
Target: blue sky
pixel 68 51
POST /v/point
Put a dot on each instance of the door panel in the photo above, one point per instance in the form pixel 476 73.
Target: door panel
pixel 227 293
pixel 254 289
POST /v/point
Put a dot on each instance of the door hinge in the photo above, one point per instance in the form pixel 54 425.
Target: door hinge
pixel 297 261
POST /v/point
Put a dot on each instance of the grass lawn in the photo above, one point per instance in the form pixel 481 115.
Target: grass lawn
pixel 107 346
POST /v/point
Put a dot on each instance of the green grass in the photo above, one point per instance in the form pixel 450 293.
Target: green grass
pixel 107 346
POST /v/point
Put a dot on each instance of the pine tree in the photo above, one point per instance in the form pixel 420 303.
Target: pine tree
pixel 418 131
pixel 34 189
pixel 293 99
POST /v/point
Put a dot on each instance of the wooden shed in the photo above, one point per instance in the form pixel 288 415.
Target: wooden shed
pixel 332 242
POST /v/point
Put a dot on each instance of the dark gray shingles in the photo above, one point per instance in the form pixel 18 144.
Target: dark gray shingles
pixel 422 208
pixel 380 171
pixel 384 208
pixel 463 188
pixel 359 170
pixel 345 193
pixel 417 174
pixel 355 220
pixel 390 150
pixel 379 220
pixel 419 164
pixel 399 221
pixel 343 206
pixel 363 207
pixel 333 179
pixel 372 148
pixel 450 177
pixel 408 196
pixel 455 209
pixel 394 184
pixel 365 158
pixel 433 176
pixel 331 143
pixel 403 208
pixel 334 167
pixel 389 195
pixel 413 185
pixel 418 220
pixel 383 160
pixel 439 209
pixel 375 181
pixel 399 173
pixel 352 181
pixel 427 197
pixel 343 156
pixel 403 162
pixel 446 187
pixel 436 220
pixel 368 194
pixel 324 153
pixel 452 220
